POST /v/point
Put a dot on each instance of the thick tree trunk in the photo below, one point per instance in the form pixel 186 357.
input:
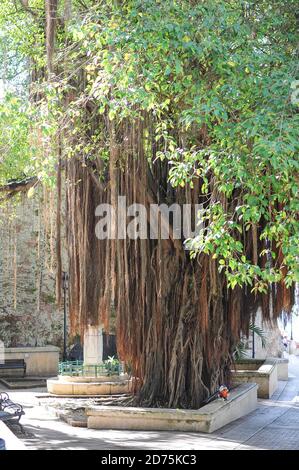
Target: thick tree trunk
pixel 51 19
pixel 177 324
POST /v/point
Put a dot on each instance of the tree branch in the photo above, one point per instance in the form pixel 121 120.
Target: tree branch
pixel 16 186
pixel 24 5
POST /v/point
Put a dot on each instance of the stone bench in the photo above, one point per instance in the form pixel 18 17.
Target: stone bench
pixel 262 372
pixel 242 400
pixel 13 367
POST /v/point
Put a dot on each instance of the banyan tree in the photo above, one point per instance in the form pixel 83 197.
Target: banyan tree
pixel 169 102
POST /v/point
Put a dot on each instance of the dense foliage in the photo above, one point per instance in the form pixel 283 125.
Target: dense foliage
pixel 222 70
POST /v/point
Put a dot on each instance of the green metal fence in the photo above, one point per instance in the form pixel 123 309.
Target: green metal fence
pixel 77 369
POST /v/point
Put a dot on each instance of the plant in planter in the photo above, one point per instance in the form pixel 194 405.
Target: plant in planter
pixel 112 366
pixel 241 349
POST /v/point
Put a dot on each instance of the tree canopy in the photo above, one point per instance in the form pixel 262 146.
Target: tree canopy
pixel 220 69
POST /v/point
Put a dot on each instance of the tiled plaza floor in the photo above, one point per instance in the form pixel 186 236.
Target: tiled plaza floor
pixel 273 425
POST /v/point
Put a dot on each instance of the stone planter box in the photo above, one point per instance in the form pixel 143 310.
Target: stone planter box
pixel 40 361
pixel 89 386
pixel 262 372
pixel 282 367
pixel 209 418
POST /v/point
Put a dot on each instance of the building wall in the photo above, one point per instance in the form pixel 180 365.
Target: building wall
pixel 28 312
pixel 271 331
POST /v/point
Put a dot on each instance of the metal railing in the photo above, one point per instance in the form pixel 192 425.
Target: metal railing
pixel 78 369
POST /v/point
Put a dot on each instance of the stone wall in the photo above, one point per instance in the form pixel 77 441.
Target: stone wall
pixel 28 312
pixel 40 361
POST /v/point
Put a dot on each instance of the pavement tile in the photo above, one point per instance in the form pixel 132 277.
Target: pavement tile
pixel 273 425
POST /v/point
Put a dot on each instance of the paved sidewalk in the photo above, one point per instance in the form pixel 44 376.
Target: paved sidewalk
pixel 273 425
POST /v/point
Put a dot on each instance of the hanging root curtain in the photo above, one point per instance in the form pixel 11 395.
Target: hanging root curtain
pixel 177 322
